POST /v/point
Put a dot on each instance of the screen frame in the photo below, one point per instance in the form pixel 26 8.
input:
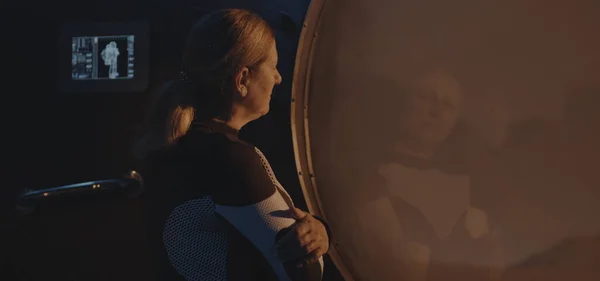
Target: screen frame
pixel 139 83
pixel 300 123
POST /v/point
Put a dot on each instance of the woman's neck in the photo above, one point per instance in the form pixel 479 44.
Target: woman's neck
pixel 421 152
pixel 236 123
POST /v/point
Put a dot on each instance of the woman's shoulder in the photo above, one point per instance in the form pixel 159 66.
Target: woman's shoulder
pixel 199 151
pixel 199 143
pixel 250 178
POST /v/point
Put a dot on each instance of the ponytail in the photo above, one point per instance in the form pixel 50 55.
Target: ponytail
pixel 170 118
pixel 218 46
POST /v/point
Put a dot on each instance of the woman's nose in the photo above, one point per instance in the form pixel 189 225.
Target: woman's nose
pixel 434 107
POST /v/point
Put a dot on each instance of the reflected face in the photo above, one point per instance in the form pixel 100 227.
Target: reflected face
pixel 429 109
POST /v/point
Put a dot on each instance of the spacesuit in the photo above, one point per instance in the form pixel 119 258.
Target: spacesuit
pixel 110 55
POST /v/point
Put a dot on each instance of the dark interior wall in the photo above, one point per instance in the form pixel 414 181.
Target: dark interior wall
pixel 52 138
pixel 61 138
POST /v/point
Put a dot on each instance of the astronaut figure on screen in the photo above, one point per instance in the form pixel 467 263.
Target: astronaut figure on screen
pixel 110 55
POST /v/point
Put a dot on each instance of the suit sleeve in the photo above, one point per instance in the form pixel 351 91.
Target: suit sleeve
pixel 250 202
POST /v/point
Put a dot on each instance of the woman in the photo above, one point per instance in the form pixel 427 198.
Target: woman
pixel 192 151
pixel 416 173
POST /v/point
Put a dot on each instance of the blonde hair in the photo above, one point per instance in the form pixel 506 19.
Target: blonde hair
pixel 218 46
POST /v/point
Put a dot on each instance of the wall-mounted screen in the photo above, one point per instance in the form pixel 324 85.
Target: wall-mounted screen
pixel 103 57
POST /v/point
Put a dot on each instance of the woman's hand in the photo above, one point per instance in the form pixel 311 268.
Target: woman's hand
pixel 307 240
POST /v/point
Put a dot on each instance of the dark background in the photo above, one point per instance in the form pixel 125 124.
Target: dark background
pixel 52 139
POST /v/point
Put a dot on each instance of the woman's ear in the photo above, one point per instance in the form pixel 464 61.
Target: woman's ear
pixel 242 79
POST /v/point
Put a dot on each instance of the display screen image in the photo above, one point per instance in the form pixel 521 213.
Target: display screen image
pixel 103 57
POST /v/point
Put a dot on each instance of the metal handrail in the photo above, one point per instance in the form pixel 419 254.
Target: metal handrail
pixel 132 184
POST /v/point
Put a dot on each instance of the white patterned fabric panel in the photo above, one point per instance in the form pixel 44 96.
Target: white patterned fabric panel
pixel 267 166
pixel 195 243
pixel 260 223
pixel 286 196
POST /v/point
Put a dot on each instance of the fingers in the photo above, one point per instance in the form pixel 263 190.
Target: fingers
pixel 306 246
pixel 298 214
pixel 306 239
pixel 303 228
pixel 300 229
pixel 297 249
pixel 307 255
pixel 313 257
pixel 303 232
pixel 293 236
pixel 311 246
pixel 291 243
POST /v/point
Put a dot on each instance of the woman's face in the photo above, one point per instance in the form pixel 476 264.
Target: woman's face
pixel 429 108
pixel 261 84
